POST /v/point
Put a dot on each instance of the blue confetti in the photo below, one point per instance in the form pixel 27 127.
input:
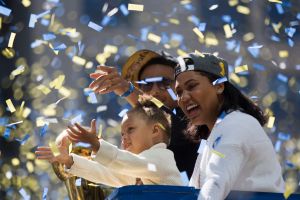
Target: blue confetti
pixel 259 67
pixel 6 134
pixel 195 20
pixel 93 98
pixel 3 121
pixel 172 94
pixel 105 20
pixel 44 130
pixel 279 8
pixel 77 119
pixel 275 38
pixel 44 197
pixel 36 43
pixel 78 182
pixel 290 31
pixel 202 27
pixel 282 77
pixel 277 145
pixel 177 37
pixel 144 33
pixel 124 10
pixel 290 42
pixel 164 38
pixel 154 79
pixel 284 136
pixel 226 18
pixel 289 164
pixel 95 26
pixel 123 112
pixel 60 47
pixel 24 140
pixel 174 111
pixel 230 45
pixel 238 61
pixel 45 22
pixel 5 11
pixel 32 21
pixel 217 141
pixel 254 51
pixel 24 194
pixel 49 36
pixel 298 16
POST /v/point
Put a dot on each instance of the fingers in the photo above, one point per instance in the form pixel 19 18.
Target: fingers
pixel 93 126
pixel 101 80
pixel 81 129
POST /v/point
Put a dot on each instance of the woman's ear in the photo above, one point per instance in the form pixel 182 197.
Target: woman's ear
pixel 219 88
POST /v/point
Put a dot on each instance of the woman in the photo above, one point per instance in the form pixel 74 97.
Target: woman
pixel 235 153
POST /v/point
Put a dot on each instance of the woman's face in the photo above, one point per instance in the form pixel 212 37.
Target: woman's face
pixel 198 98
pixel 155 90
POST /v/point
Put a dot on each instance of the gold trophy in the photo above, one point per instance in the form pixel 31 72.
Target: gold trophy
pixel 87 190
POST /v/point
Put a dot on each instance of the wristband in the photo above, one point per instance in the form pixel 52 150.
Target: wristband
pixel 129 91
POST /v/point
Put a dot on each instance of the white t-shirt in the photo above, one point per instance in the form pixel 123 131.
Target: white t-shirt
pixel 238 155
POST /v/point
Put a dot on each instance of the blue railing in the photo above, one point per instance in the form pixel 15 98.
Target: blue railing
pixel 160 192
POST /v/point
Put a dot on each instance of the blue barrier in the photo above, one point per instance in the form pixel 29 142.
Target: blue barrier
pixel 163 192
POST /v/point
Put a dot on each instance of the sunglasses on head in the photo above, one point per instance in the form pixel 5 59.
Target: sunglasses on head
pixel 161 82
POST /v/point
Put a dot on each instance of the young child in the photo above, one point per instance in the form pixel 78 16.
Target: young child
pixel 145 134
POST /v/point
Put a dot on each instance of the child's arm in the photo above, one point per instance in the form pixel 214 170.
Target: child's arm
pixel 98 173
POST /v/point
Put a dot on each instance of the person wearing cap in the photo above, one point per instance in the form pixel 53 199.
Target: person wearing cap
pixel 235 153
pixel 153 74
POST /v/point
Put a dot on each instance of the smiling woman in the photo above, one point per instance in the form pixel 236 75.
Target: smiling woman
pixel 235 152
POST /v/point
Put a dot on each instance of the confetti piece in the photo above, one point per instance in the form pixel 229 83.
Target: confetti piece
pixel 154 38
pixel 153 79
pixel 172 94
pixel 174 111
pixel 275 1
pixel 101 108
pixel 54 148
pixel 24 194
pixel 15 123
pixel 77 119
pixel 44 89
pixel 290 31
pixel 26 112
pixel 151 167
pixel 157 102
pixel 218 153
pixel 220 80
pixel 279 8
pixel 100 131
pixel 11 40
pixel 32 21
pixel 198 33
pixel 124 10
pixel 284 136
pixel 123 112
pixel 277 145
pixel 78 182
pixel 283 54
pixel 199 53
pixel 248 37
pixel 243 10
pixel 6 133
pixel 242 68
pixel 112 12
pixel 5 11
pixel 227 30
pixel 44 196
pixel 10 105
pixel 271 121
pixel 43 14
pixel 213 7
pixel 95 26
pixel 24 140
pixel 0 23
pixel 26 3
pixel 49 36
pixel 78 60
pixel 43 130
pixel 92 98
pixel 17 71
pixel 282 77
pixel 58 82
pixel 184 178
pixel 136 7
pixel 60 47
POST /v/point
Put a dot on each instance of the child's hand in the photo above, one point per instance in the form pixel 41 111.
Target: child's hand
pixel 79 134
pixel 108 80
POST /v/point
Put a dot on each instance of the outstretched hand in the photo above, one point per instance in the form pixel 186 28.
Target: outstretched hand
pixel 78 133
pixel 45 153
pixel 107 79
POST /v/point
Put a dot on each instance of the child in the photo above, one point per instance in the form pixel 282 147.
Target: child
pixel 145 132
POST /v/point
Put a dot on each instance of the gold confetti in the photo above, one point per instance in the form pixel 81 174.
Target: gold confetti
pixel 276 27
pixel 54 148
pixel 52 20
pixel 218 153
pixel 174 21
pixel 136 7
pixel 198 33
pixel 241 69
pixel 199 53
pixel 26 3
pixel 0 23
pixel 10 105
pixel 271 121
pixel 16 72
pixel 26 112
pixel 235 78
pixel 44 89
pixel 275 1
pixel 100 131
pixel 11 40
pixel 64 91
pixel 227 30
pixel 58 82
pixel 248 37
pixel 157 102
pixel 211 40
pixel 180 52
pixel 243 10
pixel 40 121
pixel 154 38
pixel 89 65
pixel 78 60
pixel 233 2
pixel 111 49
pixel 161 126
pixel 15 161
pixel 8 53
pixel 283 54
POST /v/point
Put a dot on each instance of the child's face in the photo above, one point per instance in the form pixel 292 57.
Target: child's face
pixel 136 133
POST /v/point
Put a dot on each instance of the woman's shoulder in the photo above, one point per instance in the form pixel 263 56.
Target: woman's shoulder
pixel 239 119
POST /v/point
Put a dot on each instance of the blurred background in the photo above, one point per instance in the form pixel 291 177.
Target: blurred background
pixel 49 47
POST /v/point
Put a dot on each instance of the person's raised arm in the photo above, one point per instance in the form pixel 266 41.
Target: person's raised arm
pixel 107 79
